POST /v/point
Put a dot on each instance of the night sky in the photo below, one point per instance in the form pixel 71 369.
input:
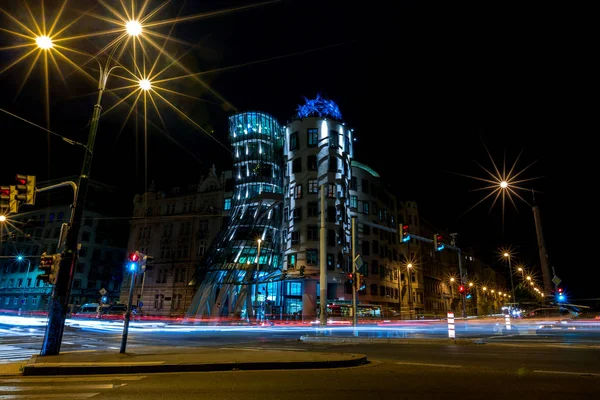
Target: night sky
pixel 427 90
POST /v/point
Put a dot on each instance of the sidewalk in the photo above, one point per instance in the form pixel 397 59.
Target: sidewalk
pixel 173 359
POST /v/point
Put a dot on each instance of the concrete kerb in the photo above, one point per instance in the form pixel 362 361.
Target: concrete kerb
pixel 343 340
pixel 31 368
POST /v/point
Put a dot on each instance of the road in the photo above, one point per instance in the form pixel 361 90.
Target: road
pixel 396 371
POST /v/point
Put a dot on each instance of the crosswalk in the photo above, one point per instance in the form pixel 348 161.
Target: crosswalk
pixel 62 387
pixel 13 353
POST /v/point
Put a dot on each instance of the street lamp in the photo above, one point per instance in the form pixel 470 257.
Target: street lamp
pixel 60 296
pixel 2 218
pixel 507 255
pixel 133 28
pixel 44 42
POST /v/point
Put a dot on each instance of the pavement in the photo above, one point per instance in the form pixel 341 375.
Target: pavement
pixel 178 359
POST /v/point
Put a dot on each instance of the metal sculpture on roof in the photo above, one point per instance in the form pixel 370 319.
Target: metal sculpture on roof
pixel 319 107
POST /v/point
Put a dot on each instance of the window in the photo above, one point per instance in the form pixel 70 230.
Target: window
pixel 374 289
pixel 334 139
pixel 354 202
pixel 293 141
pixel 297 165
pixel 51 217
pixel 294 288
pixel 295 237
pixel 330 237
pixel 313 209
pixel 291 260
pixel 353 183
pixel 312 232
pixel 298 192
pixel 366 207
pixel 312 137
pixel 375 247
pixel 365 186
pixel 60 217
pixel 312 257
pixel 330 262
pixel 331 214
pixel 298 214
pixel 312 163
pixel 227 204
pixel 333 164
pixel 366 230
pixel 85 236
pixel 77 284
pixel 313 187
pixel 366 248
pixel 331 190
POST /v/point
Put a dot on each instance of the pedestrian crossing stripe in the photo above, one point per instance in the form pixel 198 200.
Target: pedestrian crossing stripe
pixel 12 353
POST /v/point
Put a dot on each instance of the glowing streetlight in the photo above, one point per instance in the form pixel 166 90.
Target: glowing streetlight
pixel 44 42
pixel 2 218
pixel 409 265
pixel 451 279
pixel 528 277
pixel 485 288
pixel 146 85
pixel 503 184
pixel 133 28
pixel 470 284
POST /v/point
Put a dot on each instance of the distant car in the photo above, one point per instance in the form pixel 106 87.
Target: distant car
pixel 88 310
pixel 114 312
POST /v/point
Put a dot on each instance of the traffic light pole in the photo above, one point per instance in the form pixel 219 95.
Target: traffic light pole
pixel 127 314
pixel 59 302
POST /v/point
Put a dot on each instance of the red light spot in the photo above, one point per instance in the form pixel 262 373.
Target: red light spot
pixel 133 257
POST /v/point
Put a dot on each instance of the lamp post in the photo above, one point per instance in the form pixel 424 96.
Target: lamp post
pixel 410 299
pixel 507 255
pixel 257 275
pixel 21 258
pixel 60 296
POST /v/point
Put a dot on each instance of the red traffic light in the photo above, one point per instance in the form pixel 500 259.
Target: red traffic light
pixel 134 257
pixel 461 288
pixel 559 290
pixel 21 179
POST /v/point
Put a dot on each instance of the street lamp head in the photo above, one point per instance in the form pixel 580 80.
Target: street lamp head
pixel 471 284
pixel 506 254
pixel 2 218
pixel 520 269
pixel 528 278
pixel 409 265
pixel 133 28
pixel 19 258
pixel 145 84
pixel 259 240
pixel 451 279
pixel 44 42
pixel 503 184
pixel 484 288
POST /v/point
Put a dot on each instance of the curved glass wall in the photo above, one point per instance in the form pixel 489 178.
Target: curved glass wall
pixel 248 251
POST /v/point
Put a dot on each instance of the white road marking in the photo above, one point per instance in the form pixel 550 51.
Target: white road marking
pixel 91 364
pixel 66 379
pixel 71 387
pixel 430 365
pixel 566 373
pixel 61 396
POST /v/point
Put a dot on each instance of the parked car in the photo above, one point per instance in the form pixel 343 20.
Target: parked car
pixel 114 312
pixel 88 310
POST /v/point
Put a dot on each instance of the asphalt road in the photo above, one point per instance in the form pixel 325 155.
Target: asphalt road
pixel 397 371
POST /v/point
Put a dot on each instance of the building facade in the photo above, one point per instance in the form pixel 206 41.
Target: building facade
pixel 31 232
pixel 175 230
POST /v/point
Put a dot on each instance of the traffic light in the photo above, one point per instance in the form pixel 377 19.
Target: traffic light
pixel 405 234
pixel 134 262
pixel 8 201
pixel 357 281
pixel 461 289
pixel 25 189
pixel 46 265
pixel 561 295
pixel 54 269
pixel 438 242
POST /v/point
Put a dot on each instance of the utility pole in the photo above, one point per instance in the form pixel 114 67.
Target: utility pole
pixel 323 265
pixel 354 294
pixel 256 285
pixel 128 314
pixel 542 250
pixel 462 283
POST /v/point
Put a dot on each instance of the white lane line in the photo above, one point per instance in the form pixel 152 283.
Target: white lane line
pixel 262 348
pixel 71 387
pixel 565 373
pixel 61 396
pixel 430 365
pixel 67 379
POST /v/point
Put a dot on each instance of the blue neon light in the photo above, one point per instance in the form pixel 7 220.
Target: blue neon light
pixel 319 107
pixel 440 247
pixel 19 258
pixel 132 266
pixel 406 239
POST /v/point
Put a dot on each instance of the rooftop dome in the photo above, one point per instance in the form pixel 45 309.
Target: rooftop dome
pixel 319 107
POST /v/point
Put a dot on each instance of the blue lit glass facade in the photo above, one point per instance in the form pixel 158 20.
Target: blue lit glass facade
pixel 246 255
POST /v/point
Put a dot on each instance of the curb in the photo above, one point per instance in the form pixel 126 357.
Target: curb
pixel 31 369
pixel 326 339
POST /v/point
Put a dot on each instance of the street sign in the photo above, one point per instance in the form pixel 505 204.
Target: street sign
pixel 141 304
pixel 359 262
pixel 102 291
pixel 556 280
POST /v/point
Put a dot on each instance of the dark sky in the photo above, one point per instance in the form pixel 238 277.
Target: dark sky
pixel 427 89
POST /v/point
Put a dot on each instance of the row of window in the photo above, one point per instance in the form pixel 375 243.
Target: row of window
pixel 312 139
